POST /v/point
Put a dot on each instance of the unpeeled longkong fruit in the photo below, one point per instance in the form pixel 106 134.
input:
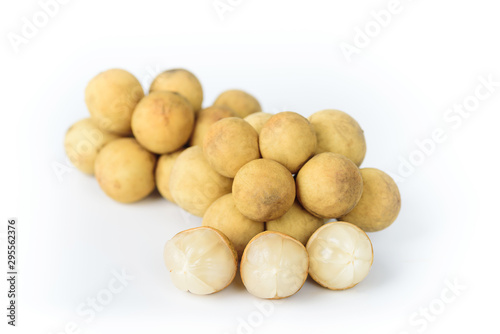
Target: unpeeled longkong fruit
pixel 329 185
pixel 297 223
pixel 125 170
pixel 111 97
pixel 229 144
pixel 162 122
pixel 83 141
pixel 263 190
pixel 257 120
pixel 180 81
pixel 205 118
pixel 289 139
pixel 380 202
pixel 194 185
pixel 163 171
pixel 224 216
pixel 338 132
pixel 242 103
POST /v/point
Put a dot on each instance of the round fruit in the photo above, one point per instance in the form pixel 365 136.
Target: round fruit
pixel 258 119
pixel 289 139
pixel 263 190
pixel 338 132
pixel 200 260
pixel 229 144
pixel 242 103
pixel 125 170
pixel 162 122
pixel 194 185
pixel 205 118
pixel 329 185
pixel 180 81
pixel 380 202
pixel 83 141
pixel 274 265
pixel 224 216
pixel 340 255
pixel 111 97
pixel 163 171
pixel 297 223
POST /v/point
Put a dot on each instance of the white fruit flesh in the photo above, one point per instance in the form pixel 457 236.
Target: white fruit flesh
pixel 340 255
pixel 200 261
pixel 274 266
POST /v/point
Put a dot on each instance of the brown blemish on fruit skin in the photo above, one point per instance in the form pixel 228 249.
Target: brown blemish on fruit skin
pixel 271 199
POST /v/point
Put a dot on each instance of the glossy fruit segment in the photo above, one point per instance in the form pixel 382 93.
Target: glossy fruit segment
pixel 340 255
pixel 274 265
pixel 200 260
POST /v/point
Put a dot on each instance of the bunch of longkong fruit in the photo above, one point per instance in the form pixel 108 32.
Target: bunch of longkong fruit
pixel 266 185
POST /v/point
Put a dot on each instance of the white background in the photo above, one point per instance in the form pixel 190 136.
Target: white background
pixel 287 53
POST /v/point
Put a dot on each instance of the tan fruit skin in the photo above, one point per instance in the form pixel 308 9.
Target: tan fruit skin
pixel 257 120
pixel 329 185
pixel 263 190
pixel 83 141
pixel 297 223
pixel 289 139
pixel 204 119
pixel 224 215
pixel 229 244
pixel 125 170
pixel 380 202
pixel 229 144
pixel 242 103
pixel 111 97
pixel 162 122
pixel 338 132
pixel 163 171
pixel 243 259
pixel 312 238
pixel 194 185
pixel 180 81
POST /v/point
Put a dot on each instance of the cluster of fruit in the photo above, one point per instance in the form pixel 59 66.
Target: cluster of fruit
pixel 266 185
